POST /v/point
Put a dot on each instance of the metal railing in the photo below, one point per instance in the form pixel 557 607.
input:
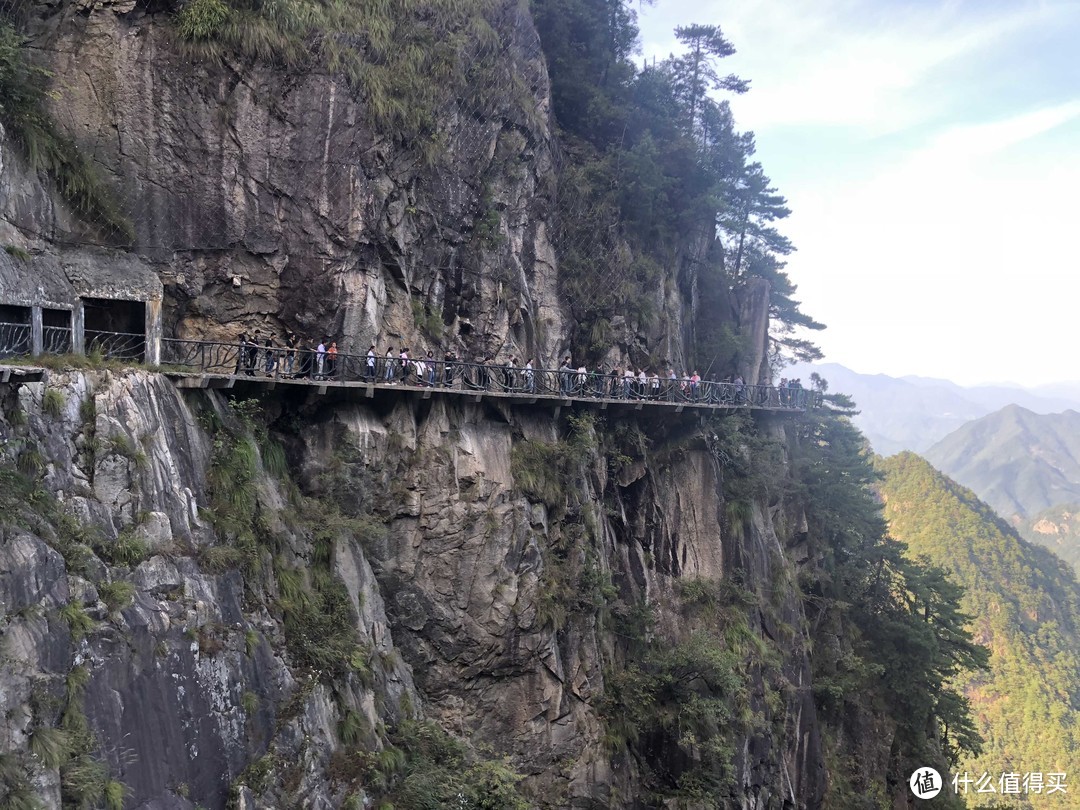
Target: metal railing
pixel 309 365
pixel 16 339
pixel 116 345
pixel 56 339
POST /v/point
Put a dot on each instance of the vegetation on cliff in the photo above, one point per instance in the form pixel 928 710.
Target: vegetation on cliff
pixel 657 180
pixel 890 634
pixel 1023 603
pixel 406 60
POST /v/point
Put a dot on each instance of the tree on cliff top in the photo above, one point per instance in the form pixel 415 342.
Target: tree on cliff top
pixel 695 71
pixel 659 185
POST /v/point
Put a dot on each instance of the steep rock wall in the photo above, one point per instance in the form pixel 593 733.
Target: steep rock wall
pixel 265 198
pixel 189 683
pixel 498 602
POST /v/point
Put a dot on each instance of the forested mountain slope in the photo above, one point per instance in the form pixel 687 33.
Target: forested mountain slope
pixel 1017 461
pixel 1023 603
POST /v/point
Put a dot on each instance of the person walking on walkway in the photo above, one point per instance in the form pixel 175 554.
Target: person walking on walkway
pixel 252 355
pixel 370 364
pixel 331 360
pixel 508 373
pixel 597 379
pixel 388 369
pixel 270 360
pixel 448 368
pixel 241 352
pixel 403 360
pixel 290 354
pixel 530 379
pixel 320 360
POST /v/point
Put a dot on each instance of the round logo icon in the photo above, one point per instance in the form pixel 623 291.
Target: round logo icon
pixel 925 783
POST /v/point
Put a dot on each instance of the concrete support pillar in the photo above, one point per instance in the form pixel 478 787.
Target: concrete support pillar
pixel 78 328
pixel 37 333
pixel 153 332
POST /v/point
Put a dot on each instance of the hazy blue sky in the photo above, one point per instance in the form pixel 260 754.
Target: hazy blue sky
pixel 930 152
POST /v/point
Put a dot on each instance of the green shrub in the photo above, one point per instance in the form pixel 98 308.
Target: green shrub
pixel 201 19
pixel 115 793
pixel 88 413
pixel 121 445
pixel 274 459
pixel 76 681
pixel 16 790
pixel 218 559
pixel 127 549
pixel 353 728
pixel 30 461
pixel 53 402
pixel 17 252
pixel 406 59
pixel 83 781
pixel 319 628
pixel 51 746
pixel 23 88
pixel 116 595
pixel 249 701
pixel 79 623
pixel 692 695
pixel 429 768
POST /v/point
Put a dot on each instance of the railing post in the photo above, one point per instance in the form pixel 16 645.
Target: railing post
pixel 153 332
pixel 37 332
pixel 78 328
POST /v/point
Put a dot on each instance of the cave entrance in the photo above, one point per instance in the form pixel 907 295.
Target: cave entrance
pixel 115 329
pixel 15 331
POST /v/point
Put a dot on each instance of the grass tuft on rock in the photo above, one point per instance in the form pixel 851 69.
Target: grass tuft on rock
pixel 116 595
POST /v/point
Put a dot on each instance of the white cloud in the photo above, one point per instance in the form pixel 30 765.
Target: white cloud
pixel 843 63
pixel 945 249
pixel 969 142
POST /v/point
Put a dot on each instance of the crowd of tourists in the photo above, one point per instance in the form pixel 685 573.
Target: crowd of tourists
pixel 321 361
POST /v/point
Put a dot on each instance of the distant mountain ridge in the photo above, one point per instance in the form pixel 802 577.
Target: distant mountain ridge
pixel 1021 463
pixel 913 413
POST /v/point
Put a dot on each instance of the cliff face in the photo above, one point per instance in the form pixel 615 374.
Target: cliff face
pixel 498 601
pixel 264 607
pixel 269 198
pixel 186 681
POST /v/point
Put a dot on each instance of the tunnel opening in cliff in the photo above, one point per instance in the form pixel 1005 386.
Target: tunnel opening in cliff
pixel 14 315
pixel 106 319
